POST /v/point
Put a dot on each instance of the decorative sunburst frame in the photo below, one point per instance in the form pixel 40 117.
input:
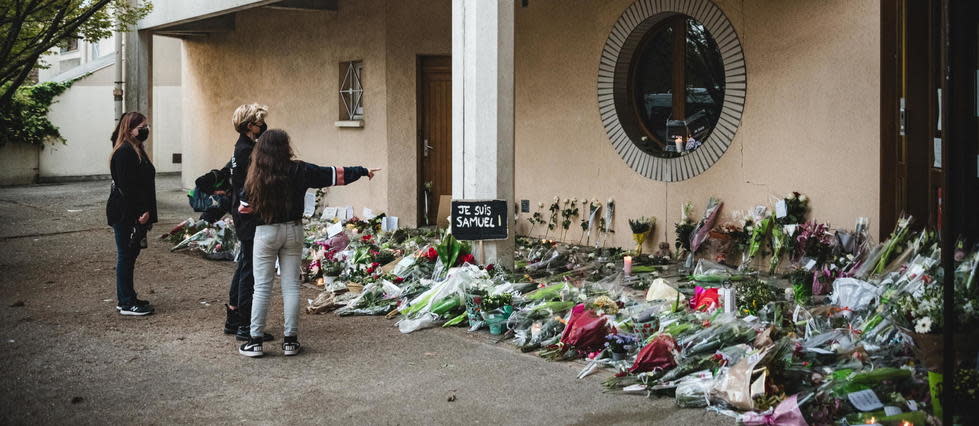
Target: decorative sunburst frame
pixel 613 97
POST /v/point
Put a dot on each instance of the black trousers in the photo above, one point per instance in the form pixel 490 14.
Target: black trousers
pixel 243 282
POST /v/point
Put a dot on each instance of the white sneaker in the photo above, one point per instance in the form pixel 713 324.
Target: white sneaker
pixel 251 348
pixel 290 346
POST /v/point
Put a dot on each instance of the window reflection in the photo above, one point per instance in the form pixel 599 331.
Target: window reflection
pixel 691 69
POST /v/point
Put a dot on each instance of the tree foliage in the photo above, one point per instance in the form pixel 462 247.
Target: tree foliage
pixel 25 119
pixel 29 28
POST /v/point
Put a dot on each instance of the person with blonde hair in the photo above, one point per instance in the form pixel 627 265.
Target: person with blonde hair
pixel 131 207
pixel 249 121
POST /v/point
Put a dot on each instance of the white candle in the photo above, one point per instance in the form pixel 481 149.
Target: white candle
pixel 627 265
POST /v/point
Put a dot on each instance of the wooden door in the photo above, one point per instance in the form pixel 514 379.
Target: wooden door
pixel 434 134
pixel 912 177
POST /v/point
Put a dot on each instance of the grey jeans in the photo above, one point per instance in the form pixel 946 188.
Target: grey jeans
pixel 282 241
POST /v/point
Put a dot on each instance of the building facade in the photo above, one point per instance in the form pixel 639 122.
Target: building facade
pixel 85 115
pixel 795 104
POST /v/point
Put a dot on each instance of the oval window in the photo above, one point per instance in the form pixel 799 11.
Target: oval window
pixel 677 86
pixel 671 69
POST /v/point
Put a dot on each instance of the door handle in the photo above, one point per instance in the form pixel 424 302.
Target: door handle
pixel 426 148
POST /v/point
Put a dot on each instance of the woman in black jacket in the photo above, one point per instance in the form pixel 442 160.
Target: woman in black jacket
pixel 131 209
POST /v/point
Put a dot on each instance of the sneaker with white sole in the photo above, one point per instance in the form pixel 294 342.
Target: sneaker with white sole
pixel 135 310
pixel 138 303
pixel 290 346
pixel 252 348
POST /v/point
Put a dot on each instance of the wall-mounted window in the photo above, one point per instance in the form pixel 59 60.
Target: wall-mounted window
pixel 677 83
pixel 671 87
pixel 70 46
pixel 351 94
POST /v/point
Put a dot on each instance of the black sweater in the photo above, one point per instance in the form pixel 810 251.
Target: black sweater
pixel 133 187
pixel 304 176
pixel 240 160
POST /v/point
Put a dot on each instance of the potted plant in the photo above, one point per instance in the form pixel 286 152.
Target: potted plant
pixel 620 345
pixel 474 308
pixel 641 228
pixel 331 270
pixel 495 310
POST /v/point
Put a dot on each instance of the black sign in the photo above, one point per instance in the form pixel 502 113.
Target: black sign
pixel 479 220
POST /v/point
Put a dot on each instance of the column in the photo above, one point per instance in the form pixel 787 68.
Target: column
pixel 138 91
pixel 482 113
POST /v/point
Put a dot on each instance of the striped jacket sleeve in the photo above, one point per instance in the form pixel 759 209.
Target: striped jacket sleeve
pixel 319 177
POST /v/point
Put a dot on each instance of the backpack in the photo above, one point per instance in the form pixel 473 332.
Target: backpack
pixel 215 180
pixel 202 198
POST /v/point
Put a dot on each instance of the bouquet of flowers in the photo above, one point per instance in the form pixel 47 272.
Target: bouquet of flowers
pixel 895 244
pixel 758 233
pixel 588 223
pixel 215 241
pixel 683 230
pixel 620 343
pixel 732 239
pixel 790 211
pixel 568 214
pixel 752 295
pixel 796 207
pixel 331 268
pixel 921 309
pixel 493 302
pixel 657 355
pixel 584 333
pixel 640 229
pixel 702 230
pixel 555 210
pixel 779 241
pixel 801 281
pixel 536 219
pixel 814 241
pixel 605 224
pixel 452 252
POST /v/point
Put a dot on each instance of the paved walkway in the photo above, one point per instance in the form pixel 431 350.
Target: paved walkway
pixel 66 355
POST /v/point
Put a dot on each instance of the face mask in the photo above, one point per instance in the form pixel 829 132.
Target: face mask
pixel 143 134
pixel 262 129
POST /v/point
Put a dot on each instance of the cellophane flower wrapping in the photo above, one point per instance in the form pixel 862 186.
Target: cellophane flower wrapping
pixel 693 391
pixel 726 331
pixel 585 331
pixel 658 354
pixel 702 230
pixel 705 299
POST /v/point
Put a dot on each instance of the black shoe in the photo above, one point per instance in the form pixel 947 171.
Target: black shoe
pixel 245 333
pixel 231 321
pixel 135 310
pixel 252 348
pixel 143 303
pixel 290 346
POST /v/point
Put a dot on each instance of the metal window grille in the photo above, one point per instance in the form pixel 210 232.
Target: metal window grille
pixel 352 90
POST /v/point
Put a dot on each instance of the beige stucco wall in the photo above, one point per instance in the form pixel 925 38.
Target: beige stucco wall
pixel 85 116
pixel 289 60
pixel 419 27
pixel 167 103
pixel 18 163
pixel 811 121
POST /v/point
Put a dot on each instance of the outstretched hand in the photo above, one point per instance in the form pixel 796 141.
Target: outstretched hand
pixel 371 172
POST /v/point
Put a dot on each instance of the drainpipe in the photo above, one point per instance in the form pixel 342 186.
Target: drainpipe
pixel 117 90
